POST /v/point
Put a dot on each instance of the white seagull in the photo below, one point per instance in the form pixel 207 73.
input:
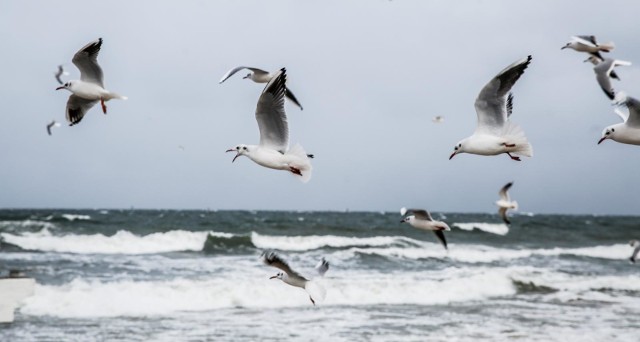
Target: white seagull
pixel 495 133
pixel 422 219
pixel 315 291
pixel 636 245
pixel 627 132
pixel 589 45
pixel 504 203
pixel 596 60
pixel 60 73
pixel 89 89
pixel 438 119
pixel 259 76
pixel 52 124
pixel 273 152
pixel 603 74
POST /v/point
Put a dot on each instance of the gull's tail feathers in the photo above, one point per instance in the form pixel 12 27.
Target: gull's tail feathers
pixel 301 162
pixel 315 291
pixel 607 47
pixel 514 135
pixel 515 205
pixel 116 96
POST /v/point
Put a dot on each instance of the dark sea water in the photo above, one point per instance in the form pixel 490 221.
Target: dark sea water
pixel 147 275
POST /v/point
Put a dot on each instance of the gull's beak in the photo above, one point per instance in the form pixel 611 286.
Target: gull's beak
pixel 233 150
pixel 275 276
pixel 601 140
pixel 246 77
pixel 453 154
pixel 564 47
pixel 60 88
pixel 401 221
pixel 586 60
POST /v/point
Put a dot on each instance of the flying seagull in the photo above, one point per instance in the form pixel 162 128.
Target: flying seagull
pixel 627 132
pixel 495 133
pixel 635 244
pixel 315 291
pixel 51 124
pixel 422 219
pixel 89 89
pixel 589 45
pixel 273 151
pixel 603 74
pixel 438 119
pixel 504 203
pixel 595 61
pixel 259 76
pixel 60 73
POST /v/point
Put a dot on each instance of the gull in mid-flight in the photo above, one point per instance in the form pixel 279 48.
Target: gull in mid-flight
pixel 504 203
pixel 60 73
pixel 603 74
pixel 259 76
pixel 627 132
pixel 89 89
pixel 273 151
pixel 635 244
pixel 315 291
pixel 589 45
pixel 422 219
pixel 595 61
pixel 438 119
pixel 52 124
pixel 495 133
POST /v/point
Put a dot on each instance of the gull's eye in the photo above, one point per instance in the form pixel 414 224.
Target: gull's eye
pixel 455 148
pixel 459 145
pixel 613 130
pixel 244 148
pixel 237 147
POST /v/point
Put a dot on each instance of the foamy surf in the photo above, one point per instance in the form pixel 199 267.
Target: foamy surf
pixel 311 242
pixel 494 228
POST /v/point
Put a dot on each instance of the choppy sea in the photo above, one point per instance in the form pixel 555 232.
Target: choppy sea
pixel 157 275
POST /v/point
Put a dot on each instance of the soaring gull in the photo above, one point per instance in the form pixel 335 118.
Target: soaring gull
pixel 259 76
pixel 315 291
pixel 422 219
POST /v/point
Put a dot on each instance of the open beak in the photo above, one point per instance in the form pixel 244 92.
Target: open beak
pixel 601 140
pixel 275 276
pixel 246 77
pixel 233 150
pixel 59 88
pixel 401 221
pixel 453 154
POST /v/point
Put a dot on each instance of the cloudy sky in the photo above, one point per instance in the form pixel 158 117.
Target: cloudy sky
pixel 371 75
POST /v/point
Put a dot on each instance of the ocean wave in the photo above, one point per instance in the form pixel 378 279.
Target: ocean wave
pixel 311 242
pixel 9 226
pixel 73 217
pixel 123 242
pixel 494 228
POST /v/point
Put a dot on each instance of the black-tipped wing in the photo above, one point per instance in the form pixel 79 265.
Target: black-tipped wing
pixel 293 98
pixel 503 213
pixel 273 259
pixel 504 195
pixel 494 103
pixel 77 107
pixel 635 254
pixel 87 61
pixel 59 74
pixel 440 236
pixel 236 69
pixel 420 214
pixel 272 120
pixel 322 267
pixel 603 71
pixel 590 39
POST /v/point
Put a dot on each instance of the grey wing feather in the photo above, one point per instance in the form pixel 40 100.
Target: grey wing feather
pixel 635 254
pixel 440 236
pixel 503 213
pixel 87 61
pixel 59 74
pixel 77 107
pixel 503 192
pixel 420 214
pixel 322 267
pixel 270 114
pixel 236 69
pixel 494 104
pixel 293 98
pixel 591 39
pixel 273 259
pixel 633 106
pixel 49 126
pixel 602 71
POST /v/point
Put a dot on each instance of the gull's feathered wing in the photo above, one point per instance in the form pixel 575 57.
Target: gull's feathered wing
pixel 77 107
pixel 270 114
pixel 504 195
pixel 236 69
pixel 273 259
pixel 87 61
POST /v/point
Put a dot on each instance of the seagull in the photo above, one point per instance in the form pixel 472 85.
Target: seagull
pixel 636 245
pixel 87 91
pixel 422 219
pixel 438 119
pixel 291 277
pixel 589 45
pixel 596 60
pixel 627 132
pixel 51 124
pixel 504 203
pixel 273 152
pixel 259 76
pixel 495 133
pixel 60 73
pixel 603 72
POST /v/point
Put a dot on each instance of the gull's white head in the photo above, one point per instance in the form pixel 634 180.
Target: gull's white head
pixel 69 86
pixel 568 45
pixel 408 219
pixel 634 243
pixel 280 275
pixel 459 148
pixel 241 150
pixel 248 75
pixel 608 133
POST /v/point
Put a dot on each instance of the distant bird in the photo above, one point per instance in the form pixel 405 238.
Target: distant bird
pixel 315 291
pixel 627 132
pixel 181 147
pixel 589 45
pixel 422 219
pixel 438 119
pixel 87 91
pixel 636 245
pixel 495 133
pixel 51 124
pixel 60 73
pixel 603 72
pixel 273 151
pixel 504 203
pixel 595 61
pixel 260 76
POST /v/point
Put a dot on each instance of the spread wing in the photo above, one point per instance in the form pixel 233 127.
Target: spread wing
pixel 87 61
pixel 633 105
pixel 236 69
pixel 503 213
pixel 322 267
pixel 272 120
pixel 494 102
pixel 440 236
pixel 77 107
pixel 504 195
pixel 273 259
pixel 293 98
pixel 586 40
pixel 420 214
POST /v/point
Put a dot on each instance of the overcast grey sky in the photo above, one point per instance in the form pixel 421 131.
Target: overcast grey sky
pixel 370 74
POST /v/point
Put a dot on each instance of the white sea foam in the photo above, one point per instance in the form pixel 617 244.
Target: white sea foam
pixel 123 242
pixel 304 243
pixel 27 224
pixel 73 217
pixel 495 228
